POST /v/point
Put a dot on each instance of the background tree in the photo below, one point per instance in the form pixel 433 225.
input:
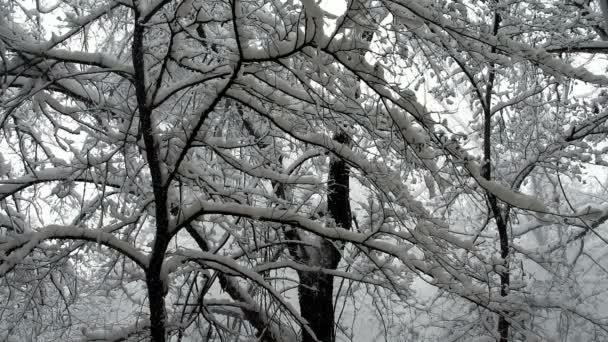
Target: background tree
pixel 228 170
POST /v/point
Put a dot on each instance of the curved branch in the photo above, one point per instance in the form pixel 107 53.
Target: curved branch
pixel 18 247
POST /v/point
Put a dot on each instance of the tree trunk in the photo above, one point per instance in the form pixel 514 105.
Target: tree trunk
pixel 156 302
pixel 316 288
pixel 316 305
pixel 500 215
pixel 154 280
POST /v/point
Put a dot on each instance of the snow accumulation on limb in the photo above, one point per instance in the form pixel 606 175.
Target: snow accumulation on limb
pixel 522 96
pixel 597 214
pixel 229 266
pixel 387 180
pixel 291 42
pixel 442 274
pixel 253 312
pixel 58 79
pixel 585 127
pixel 417 110
pixel 14 185
pixel 11 186
pixel 509 50
pixel 311 153
pixel 582 47
pixel 379 173
pixel 22 44
pixel 358 277
pixel 114 334
pixel 214 73
pixel 371 169
pixel 513 198
pixel 15 248
pixel 406 105
pixel 265 173
pixel 292 218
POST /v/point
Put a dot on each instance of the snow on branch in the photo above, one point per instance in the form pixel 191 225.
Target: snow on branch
pixel 505 194
pixel 17 247
pixel 509 50
pixel 23 45
pixel 11 186
pixel 294 219
pixel 229 266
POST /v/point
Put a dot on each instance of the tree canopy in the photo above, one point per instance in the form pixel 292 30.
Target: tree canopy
pixel 279 170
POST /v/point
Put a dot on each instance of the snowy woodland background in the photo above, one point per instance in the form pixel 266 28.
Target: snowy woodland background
pixel 276 170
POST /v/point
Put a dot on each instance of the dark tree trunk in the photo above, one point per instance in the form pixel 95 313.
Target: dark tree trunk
pixel 500 216
pixel 316 305
pixel 316 288
pixel 154 280
pixel 338 186
pixel 156 298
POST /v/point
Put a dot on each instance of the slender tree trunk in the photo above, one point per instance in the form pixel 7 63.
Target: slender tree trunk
pixel 500 216
pixel 154 279
pixel 156 293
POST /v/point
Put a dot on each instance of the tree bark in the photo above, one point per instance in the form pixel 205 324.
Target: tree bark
pixel 316 288
pixel 154 279
pixel 500 215
pixel 316 305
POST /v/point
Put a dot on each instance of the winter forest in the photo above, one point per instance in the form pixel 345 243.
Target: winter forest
pixel 299 171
